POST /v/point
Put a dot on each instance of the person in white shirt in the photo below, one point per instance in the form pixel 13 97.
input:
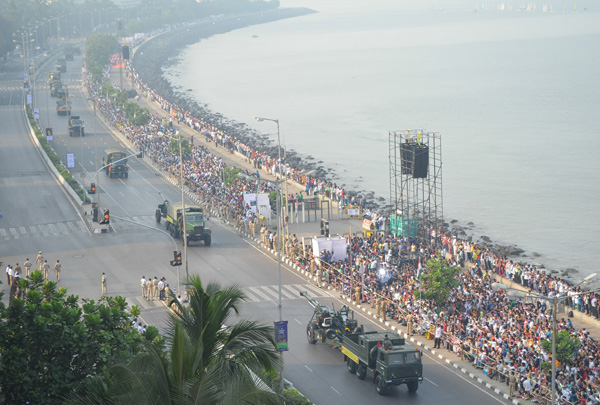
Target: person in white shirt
pixel 143 285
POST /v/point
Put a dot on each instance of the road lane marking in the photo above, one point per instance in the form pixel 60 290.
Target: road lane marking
pixel 300 323
pixel 427 379
pixel 308 368
pixel 336 391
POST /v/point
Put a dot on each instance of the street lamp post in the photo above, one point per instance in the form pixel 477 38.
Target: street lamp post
pixel 514 294
pixel 260 119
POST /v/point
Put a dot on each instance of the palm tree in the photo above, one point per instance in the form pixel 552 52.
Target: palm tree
pixel 205 363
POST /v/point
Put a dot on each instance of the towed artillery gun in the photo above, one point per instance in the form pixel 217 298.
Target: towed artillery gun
pixel 383 356
pixel 327 324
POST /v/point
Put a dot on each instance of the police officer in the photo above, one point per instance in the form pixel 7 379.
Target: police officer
pixel 40 260
pixel 27 265
pixel 409 325
pixel 46 268
pixel 104 288
pixel 57 267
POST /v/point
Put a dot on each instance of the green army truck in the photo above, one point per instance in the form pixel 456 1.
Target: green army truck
pixel 56 88
pixel 385 357
pixel 115 163
pixel 195 222
pixel 76 127
pixel 63 106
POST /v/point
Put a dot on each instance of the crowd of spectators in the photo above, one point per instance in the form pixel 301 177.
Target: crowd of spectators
pixel 482 325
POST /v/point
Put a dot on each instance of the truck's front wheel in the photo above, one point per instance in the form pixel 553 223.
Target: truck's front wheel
pixel 158 215
pixel 207 241
pixel 413 386
pixel 379 384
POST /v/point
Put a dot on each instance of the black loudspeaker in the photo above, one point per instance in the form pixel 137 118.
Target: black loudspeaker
pixel 421 162
pixel 406 156
pixel 125 52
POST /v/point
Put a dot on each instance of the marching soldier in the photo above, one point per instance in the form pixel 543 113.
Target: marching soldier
pixel 27 265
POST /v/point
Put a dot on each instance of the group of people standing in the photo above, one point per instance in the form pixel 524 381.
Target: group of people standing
pixel 14 274
pixel 153 288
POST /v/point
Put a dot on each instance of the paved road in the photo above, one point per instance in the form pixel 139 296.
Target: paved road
pixel 39 216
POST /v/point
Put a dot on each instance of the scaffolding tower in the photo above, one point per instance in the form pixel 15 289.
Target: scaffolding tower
pixel 415 183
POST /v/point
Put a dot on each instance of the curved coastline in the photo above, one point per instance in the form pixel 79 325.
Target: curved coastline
pixel 154 55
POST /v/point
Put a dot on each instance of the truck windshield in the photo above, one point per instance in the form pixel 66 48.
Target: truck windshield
pixel 404 358
pixel 193 217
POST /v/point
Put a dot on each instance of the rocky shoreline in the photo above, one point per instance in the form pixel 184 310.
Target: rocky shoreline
pixel 152 57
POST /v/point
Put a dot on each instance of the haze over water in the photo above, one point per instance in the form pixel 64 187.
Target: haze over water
pixel 514 94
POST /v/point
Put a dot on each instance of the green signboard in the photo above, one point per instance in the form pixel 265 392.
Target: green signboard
pixel 405 227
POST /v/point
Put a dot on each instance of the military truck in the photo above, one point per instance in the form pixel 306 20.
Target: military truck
pixel 55 87
pixel 76 127
pixel 385 357
pixel 63 106
pixel 61 65
pixel 195 222
pixel 53 76
pixel 116 163
pixel 327 324
pixel 68 54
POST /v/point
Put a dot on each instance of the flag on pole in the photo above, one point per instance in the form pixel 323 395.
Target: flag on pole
pixel 419 269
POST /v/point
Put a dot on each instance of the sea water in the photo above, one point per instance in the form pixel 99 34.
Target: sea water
pixel 512 88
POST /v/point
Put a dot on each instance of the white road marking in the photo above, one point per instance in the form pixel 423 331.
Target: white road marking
pixel 300 323
pixel 336 391
pixel 308 368
pixel 427 379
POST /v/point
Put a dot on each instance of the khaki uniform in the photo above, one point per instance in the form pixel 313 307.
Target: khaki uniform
pixel 384 305
pixel 378 307
pixel 409 325
pixel 155 287
pixel 104 288
pixel 27 265
pixel 512 385
pixel 149 290
pixel 57 267
pixel 40 260
pixel 46 268
pixel 318 276
pixel 357 296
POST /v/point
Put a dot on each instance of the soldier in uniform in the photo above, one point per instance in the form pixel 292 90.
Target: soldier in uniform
pixel 384 305
pixel 357 299
pixel 57 267
pixel 46 268
pixel 27 265
pixel 40 260
pixel 378 306
pixel 104 288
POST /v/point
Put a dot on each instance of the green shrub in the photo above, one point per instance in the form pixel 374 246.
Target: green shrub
pixel 293 397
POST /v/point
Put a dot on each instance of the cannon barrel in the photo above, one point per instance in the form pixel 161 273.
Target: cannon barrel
pixel 313 302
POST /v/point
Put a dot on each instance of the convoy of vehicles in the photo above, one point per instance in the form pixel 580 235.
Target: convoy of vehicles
pixel 195 222
pixel 115 161
pixel 383 356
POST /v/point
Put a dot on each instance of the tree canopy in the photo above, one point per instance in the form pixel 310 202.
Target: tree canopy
pixel 206 362
pixel 50 342
pixel 98 51
pixel 438 282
